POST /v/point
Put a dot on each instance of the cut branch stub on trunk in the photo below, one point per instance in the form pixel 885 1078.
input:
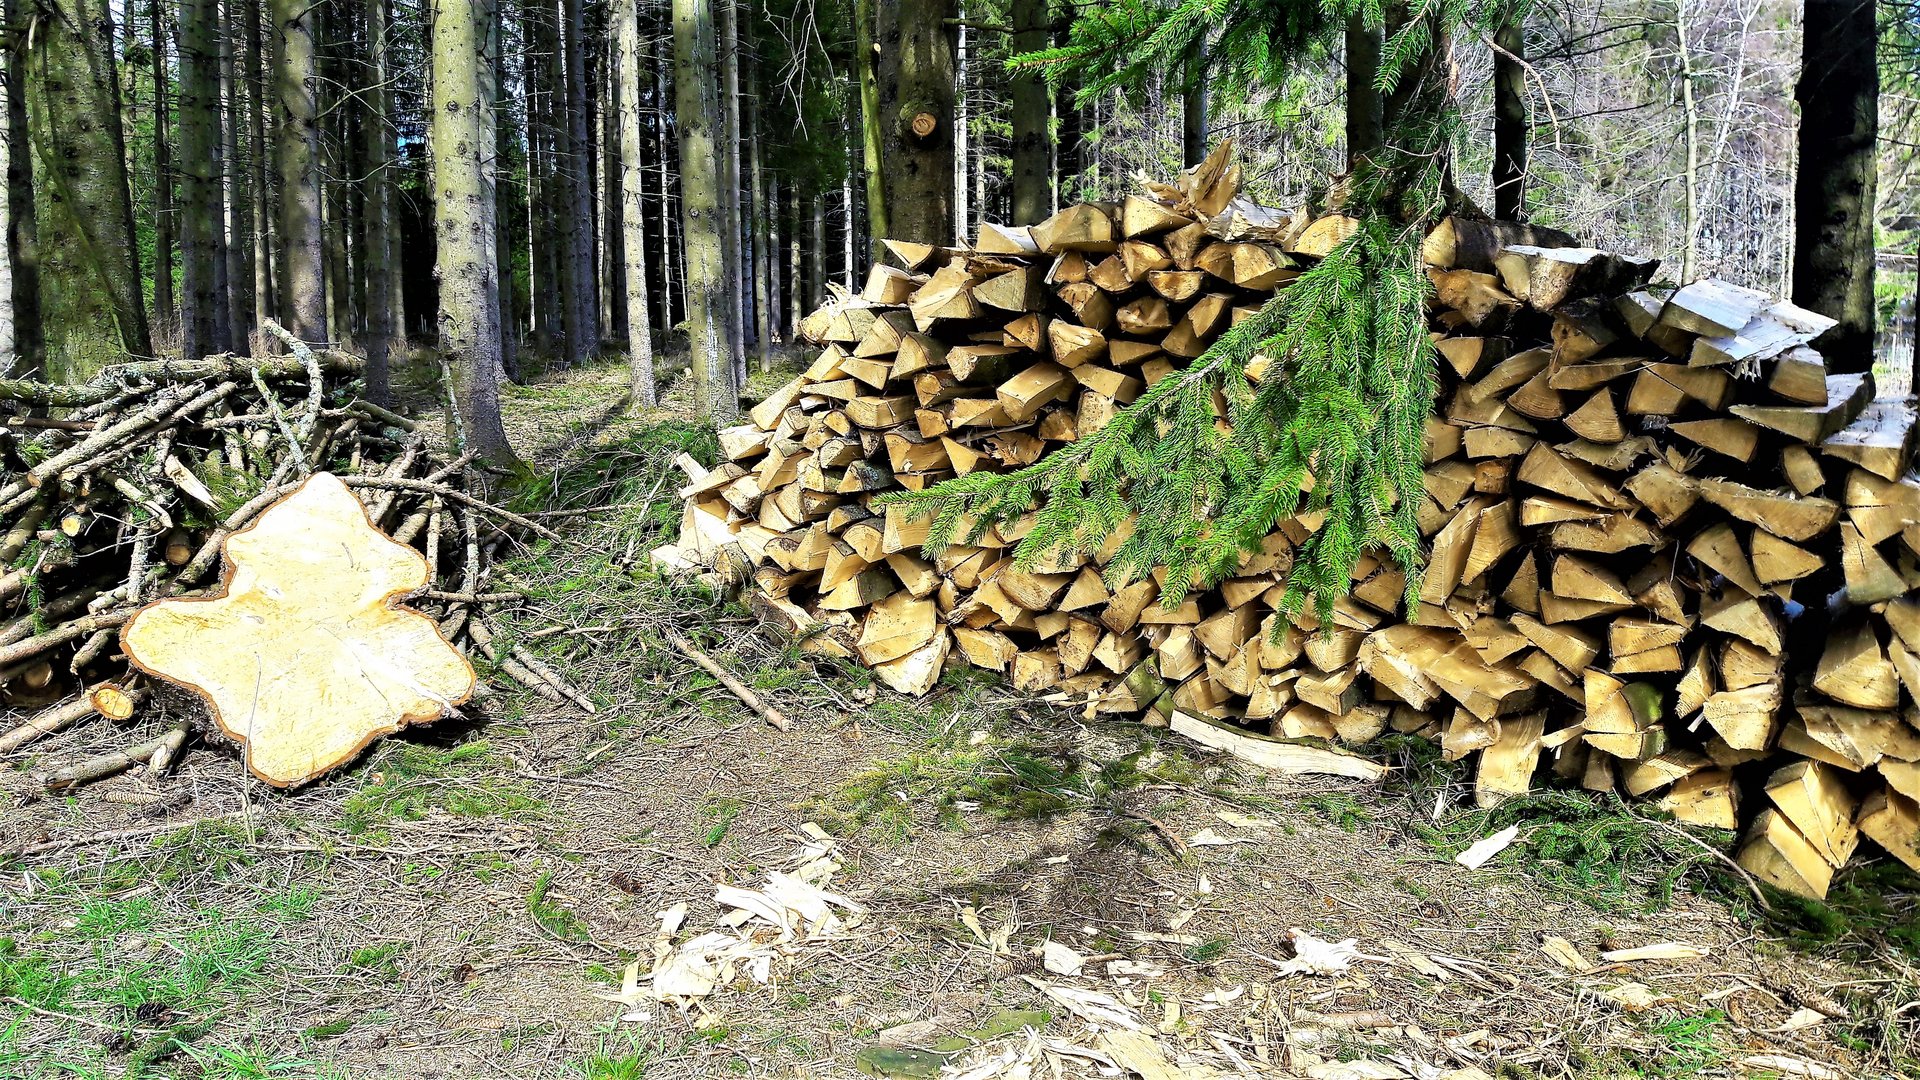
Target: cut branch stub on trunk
pixel 305 657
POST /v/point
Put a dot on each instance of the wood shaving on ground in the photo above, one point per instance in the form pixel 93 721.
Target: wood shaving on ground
pixel 762 933
pixel 1484 849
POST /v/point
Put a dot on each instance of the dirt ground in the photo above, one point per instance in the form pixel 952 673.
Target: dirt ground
pixel 463 901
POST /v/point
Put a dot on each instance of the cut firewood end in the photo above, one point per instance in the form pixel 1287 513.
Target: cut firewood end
pixel 305 657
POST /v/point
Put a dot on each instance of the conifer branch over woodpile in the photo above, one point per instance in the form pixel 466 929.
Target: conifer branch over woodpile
pixel 126 497
pixel 1667 552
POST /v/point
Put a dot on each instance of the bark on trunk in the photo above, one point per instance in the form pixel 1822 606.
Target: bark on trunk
pixel 1032 144
pixel 378 210
pixel 641 383
pixel 1365 111
pixel 872 139
pixel 462 138
pixel 916 113
pixel 1510 120
pixel 235 180
pixel 89 267
pixel 1833 196
pixel 304 297
pixel 697 111
pixel 202 237
pixel 263 247
pixel 583 306
pixel 728 39
pixel 165 310
pixel 1193 106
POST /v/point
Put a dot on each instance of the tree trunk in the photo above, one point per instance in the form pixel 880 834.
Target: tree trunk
pixel 238 238
pixel 729 46
pixel 1510 119
pixel 23 279
pixel 462 140
pixel 202 237
pixel 1193 106
pixel 165 311
pixel 963 72
pixel 642 386
pixel 1833 195
pixel 263 246
pixel 817 261
pixel 796 281
pixel 304 296
pixel 583 304
pixel 1366 120
pixel 872 139
pixel 546 221
pixel 697 110
pixel 760 232
pixel 89 267
pixel 1032 143
pixel 916 119
pixel 614 233
pixel 378 212
pixel 505 224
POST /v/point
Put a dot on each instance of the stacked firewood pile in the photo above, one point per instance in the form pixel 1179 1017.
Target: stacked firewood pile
pixel 1670 553
pixel 125 498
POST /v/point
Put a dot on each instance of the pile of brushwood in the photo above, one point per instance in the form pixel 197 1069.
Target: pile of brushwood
pixel 119 492
pixel 1667 551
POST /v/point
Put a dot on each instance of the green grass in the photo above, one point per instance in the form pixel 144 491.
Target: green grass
pixel 1685 1044
pixel 720 812
pixel 557 921
pixel 408 781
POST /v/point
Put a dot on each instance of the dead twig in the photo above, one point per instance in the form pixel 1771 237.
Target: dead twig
pixel 735 686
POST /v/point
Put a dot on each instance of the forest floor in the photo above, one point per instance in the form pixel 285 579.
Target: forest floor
pixel 462 902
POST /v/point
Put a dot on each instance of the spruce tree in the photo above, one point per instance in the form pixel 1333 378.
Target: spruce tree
pixel 1334 429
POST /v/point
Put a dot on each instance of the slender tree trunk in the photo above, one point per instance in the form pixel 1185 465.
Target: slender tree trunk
pixel 463 142
pixel 796 283
pixel 1510 119
pixel 642 387
pixel 89 266
pixel 23 285
pixel 239 238
pixel 872 139
pixel 379 211
pixel 672 268
pixel 165 311
pixel 1193 106
pixel 546 220
pixel 729 44
pixel 202 251
pixel 777 281
pixel 1032 142
pixel 1366 117
pixel 848 235
pixel 916 119
pixel 962 222
pixel 507 208
pixel 697 110
pixel 304 298
pixel 817 263
pixel 760 229
pixel 263 217
pixel 583 316
pixel 1833 195
pixel 1690 140
pixel 613 203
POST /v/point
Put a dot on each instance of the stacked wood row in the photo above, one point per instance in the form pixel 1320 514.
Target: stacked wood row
pixel 120 492
pixel 1670 553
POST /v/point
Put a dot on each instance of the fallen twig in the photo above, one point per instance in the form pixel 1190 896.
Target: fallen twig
pixel 739 689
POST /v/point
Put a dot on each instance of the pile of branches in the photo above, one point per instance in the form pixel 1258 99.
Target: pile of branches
pixel 119 492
